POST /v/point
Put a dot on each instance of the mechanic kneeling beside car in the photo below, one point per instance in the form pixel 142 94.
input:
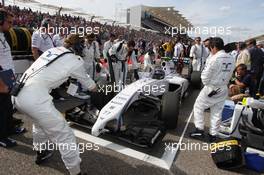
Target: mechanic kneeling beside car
pixel 48 72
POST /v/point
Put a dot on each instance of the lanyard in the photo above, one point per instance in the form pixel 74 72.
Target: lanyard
pixel 3 43
pixel 48 36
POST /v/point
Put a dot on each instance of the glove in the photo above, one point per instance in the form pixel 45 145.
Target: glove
pixel 98 67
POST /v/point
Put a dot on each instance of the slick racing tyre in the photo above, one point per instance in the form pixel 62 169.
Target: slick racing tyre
pixel 170 109
pixel 196 79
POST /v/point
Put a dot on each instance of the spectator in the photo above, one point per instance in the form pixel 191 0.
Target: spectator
pixel 260 45
pixel 241 84
pixel 235 53
pixel 243 56
pixel 168 47
pixel 257 60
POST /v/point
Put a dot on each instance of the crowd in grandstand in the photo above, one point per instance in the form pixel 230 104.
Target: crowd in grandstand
pixel 28 18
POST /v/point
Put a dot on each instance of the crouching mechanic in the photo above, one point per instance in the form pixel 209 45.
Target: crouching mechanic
pixel 215 77
pixel 35 101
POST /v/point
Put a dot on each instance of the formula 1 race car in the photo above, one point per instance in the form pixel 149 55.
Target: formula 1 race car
pixel 141 112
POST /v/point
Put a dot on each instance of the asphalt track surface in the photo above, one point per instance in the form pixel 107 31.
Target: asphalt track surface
pixel 20 160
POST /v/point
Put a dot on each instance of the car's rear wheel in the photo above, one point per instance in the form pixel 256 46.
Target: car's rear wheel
pixel 170 109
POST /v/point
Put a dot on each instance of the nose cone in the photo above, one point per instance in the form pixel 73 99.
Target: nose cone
pixel 97 129
pixel 95 133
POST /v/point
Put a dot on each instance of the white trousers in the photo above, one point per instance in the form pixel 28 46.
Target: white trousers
pixel 216 105
pixel 198 64
pixel 90 68
pixel 120 74
pixel 49 124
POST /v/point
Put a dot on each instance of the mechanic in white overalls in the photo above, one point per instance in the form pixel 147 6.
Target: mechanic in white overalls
pixel 59 38
pixel 108 44
pixel 118 55
pixel 178 53
pixel 41 39
pixel 91 55
pixel 134 63
pixel 34 100
pixel 198 53
pixel 215 77
pixel 6 62
pixel 149 58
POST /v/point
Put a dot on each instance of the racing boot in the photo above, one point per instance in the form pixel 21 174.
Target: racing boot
pixel 7 143
pixel 197 134
pixel 42 156
pixel 82 174
pixel 212 138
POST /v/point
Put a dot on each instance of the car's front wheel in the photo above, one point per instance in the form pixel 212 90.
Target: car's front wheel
pixel 170 109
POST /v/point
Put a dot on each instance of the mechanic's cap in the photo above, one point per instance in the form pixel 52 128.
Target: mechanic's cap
pixel 73 39
pixel 45 22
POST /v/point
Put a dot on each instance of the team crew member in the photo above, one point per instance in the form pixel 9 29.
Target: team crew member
pixel 134 63
pixel 149 61
pixel 34 99
pixel 198 54
pixel 59 38
pixel 118 61
pixel 178 49
pixel 41 40
pixel 108 44
pixel 215 77
pixel 91 55
pixel 6 63
pixel 179 53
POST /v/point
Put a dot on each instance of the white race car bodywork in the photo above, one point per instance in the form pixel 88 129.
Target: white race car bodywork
pixel 147 86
